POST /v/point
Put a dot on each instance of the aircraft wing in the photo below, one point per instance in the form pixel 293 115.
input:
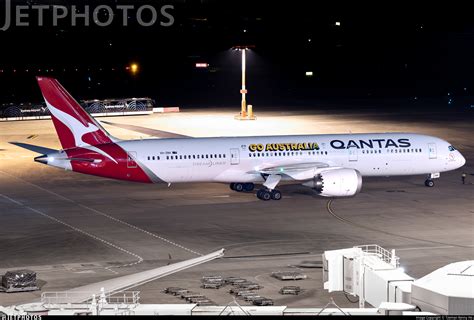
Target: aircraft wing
pixel 148 131
pixel 84 293
pixel 297 171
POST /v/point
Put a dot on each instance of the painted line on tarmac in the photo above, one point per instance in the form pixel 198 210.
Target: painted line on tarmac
pixel 85 233
pixel 107 216
pixel 431 248
pixel 331 211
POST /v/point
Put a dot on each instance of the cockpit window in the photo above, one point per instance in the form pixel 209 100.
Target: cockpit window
pixel 451 148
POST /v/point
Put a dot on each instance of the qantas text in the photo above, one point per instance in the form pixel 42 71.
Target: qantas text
pixel 372 143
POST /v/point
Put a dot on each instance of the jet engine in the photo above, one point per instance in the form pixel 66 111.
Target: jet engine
pixel 336 183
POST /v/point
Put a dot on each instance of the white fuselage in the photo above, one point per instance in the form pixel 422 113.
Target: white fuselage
pixel 239 159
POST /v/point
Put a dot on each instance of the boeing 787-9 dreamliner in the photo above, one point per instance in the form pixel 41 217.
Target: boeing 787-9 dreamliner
pixel 332 164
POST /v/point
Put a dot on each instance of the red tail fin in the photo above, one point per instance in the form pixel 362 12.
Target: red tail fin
pixel 74 126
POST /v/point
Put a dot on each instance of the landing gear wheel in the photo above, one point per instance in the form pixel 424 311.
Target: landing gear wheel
pixel 248 187
pixel 232 186
pixel 239 187
pixel 276 195
pixel 429 183
pixel 264 195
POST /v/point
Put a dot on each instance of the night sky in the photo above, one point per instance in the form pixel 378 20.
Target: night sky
pixel 380 50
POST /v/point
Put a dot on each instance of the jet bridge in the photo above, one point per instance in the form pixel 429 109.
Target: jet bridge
pixel 370 272
pixel 373 274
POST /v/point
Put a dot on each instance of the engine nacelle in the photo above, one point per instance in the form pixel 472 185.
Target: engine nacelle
pixel 336 183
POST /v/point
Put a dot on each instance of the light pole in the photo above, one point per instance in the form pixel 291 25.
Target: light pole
pixel 243 91
pixel 245 114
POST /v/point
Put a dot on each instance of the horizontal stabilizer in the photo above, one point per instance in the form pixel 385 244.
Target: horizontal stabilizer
pixel 37 149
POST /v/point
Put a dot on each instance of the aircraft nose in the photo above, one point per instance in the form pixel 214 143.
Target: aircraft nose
pixel 462 160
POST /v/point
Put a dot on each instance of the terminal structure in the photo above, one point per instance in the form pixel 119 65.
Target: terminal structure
pixel 368 272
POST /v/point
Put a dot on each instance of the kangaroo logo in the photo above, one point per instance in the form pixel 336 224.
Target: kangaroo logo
pixel 78 129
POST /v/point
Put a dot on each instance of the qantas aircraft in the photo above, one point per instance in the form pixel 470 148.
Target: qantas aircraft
pixel 332 164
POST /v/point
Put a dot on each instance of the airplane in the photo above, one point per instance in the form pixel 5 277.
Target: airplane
pixel 331 164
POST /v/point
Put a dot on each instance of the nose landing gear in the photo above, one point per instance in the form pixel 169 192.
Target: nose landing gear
pixel 429 182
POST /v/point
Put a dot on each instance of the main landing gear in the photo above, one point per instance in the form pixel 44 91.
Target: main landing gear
pixel 242 187
pixel 265 194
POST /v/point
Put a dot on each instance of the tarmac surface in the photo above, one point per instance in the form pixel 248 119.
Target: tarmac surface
pixel 75 229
